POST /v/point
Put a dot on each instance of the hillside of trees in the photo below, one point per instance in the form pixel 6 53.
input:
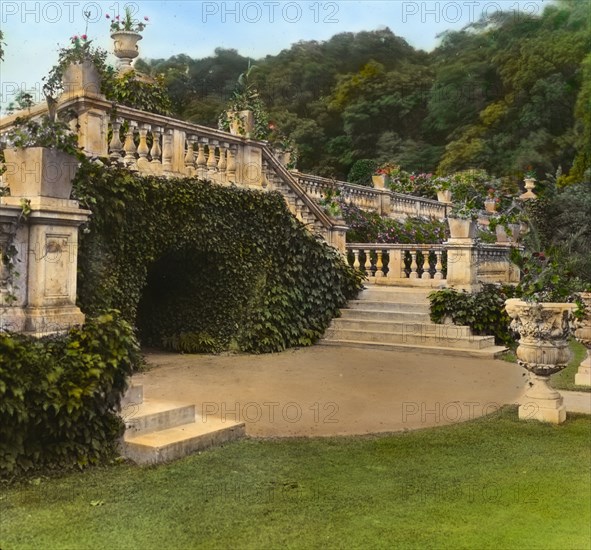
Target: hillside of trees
pixel 502 94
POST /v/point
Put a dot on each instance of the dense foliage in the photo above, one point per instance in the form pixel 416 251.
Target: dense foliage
pixel 201 267
pixel 503 93
pixel 484 311
pixel 370 227
pixel 59 396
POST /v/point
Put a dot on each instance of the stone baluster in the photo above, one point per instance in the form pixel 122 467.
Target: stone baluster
pixel 367 265
pixel 231 168
pixel 189 157
pixel 356 263
pixel 115 145
pixel 201 160
pixel 379 264
pixel 264 178
pixel 298 209
pixel 212 163
pixel 426 266
pixel 129 146
pixel 155 151
pixel 143 150
pixel 413 265
pixel 167 150
pixel 438 266
pixel 222 163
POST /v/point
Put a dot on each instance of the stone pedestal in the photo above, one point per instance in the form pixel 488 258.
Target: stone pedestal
pixel 462 260
pixel 583 375
pixel 541 402
pixel 583 335
pixel 44 292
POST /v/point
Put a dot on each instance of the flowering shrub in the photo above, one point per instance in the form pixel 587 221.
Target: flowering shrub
pixel 370 227
pixel 128 23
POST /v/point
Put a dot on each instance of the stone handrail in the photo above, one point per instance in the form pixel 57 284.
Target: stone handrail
pixel 494 266
pixel 154 144
pixel 399 264
pixel 423 264
pixel 383 201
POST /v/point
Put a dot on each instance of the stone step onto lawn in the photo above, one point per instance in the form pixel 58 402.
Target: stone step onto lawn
pixel 408 337
pixel 180 441
pixel 159 431
pixel 490 352
pixel 444 332
pixel 385 315
pixel 152 416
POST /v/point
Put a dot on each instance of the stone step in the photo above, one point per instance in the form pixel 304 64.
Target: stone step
pixel 385 315
pixel 443 332
pixel 177 442
pixel 379 305
pixel 409 337
pixel 395 294
pixel 485 353
pixel 152 416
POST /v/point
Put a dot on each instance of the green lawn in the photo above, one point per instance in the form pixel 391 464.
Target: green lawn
pixel 565 380
pixel 490 483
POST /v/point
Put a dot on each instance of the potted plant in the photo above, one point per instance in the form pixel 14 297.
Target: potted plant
pixel 80 68
pixel 384 173
pixel 507 227
pixel 442 186
pixel 126 34
pixel 492 201
pixel 462 220
pixel 529 179
pixel 543 317
pixel 245 115
pixel 42 158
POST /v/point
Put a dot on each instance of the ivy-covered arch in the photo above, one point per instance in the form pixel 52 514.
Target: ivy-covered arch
pixel 256 279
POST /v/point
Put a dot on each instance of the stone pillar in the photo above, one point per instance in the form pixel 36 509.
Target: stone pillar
pixel 462 258
pixel 41 299
pixel 337 236
pixel 45 288
pixel 385 202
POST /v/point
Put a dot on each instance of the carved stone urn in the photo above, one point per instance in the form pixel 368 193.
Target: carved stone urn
pixel 125 48
pixel 543 350
pixel 583 335
pixel 242 123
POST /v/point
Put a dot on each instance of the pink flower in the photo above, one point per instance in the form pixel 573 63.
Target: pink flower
pixel 117 18
pixel 146 18
pixel 84 37
pixel 107 16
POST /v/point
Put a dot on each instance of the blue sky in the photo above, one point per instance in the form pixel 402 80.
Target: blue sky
pixel 34 30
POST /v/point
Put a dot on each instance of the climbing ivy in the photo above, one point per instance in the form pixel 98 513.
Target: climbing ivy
pixel 201 267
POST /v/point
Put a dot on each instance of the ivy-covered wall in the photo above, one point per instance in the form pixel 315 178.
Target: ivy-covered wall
pixel 200 267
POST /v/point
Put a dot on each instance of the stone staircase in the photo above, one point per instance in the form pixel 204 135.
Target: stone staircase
pixel 397 318
pixel 161 431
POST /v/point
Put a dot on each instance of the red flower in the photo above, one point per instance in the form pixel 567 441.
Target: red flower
pixel 117 18
pixel 84 37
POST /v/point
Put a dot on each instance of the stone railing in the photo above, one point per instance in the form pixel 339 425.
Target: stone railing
pixel 400 264
pixel 153 144
pixel 463 265
pixel 494 266
pixel 383 201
